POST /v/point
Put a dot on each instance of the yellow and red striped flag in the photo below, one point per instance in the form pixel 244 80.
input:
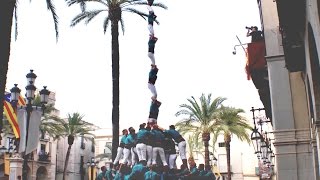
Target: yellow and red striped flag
pixel 11 115
pixel 21 101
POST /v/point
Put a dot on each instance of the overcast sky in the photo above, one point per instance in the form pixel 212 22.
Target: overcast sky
pixel 193 54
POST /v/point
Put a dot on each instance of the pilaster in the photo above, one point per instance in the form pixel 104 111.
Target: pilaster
pixel 294 154
pixel 15 168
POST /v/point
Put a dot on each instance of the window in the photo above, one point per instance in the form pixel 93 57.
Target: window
pixel 82 145
pixel 222 144
pixel 92 145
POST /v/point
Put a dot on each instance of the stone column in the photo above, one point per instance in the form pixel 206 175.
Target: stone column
pixel 294 159
pixel 283 121
pixel 15 168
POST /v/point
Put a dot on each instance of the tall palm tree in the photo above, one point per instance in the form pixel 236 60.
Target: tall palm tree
pixel 230 123
pixel 200 118
pixel 8 9
pixel 114 10
pixel 73 127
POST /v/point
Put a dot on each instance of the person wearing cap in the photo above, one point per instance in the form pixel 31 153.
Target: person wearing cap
pixel 182 145
pixel 121 146
pixel 152 80
pixel 158 145
pixel 141 147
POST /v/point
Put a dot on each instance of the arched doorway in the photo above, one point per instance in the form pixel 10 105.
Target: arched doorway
pixel 42 173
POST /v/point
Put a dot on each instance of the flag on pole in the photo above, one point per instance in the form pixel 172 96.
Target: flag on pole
pixel 22 120
pixel 11 115
pixel 21 101
pixel 34 130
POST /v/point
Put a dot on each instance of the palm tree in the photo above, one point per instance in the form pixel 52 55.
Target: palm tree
pixel 200 118
pixel 194 145
pixel 231 123
pixel 114 9
pixel 49 121
pixel 73 127
pixel 8 9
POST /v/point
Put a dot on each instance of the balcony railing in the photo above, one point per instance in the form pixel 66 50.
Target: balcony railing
pixel 44 157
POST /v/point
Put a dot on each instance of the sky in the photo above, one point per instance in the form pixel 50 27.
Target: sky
pixel 193 54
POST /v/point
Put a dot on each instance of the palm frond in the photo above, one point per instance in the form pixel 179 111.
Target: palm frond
pixel 161 5
pixel 52 8
pixel 122 25
pixel 78 19
pixel 105 24
pixel 91 15
pixel 135 11
pixel 16 20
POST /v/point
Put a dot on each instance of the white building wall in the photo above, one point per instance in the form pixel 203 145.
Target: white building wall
pixel 73 170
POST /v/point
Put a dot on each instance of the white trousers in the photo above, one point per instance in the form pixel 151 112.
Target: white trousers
pixel 149 8
pixel 141 151
pixel 153 90
pixel 152 58
pixel 155 152
pixel 171 159
pixel 149 155
pixel 182 149
pixel 119 155
pixel 126 156
pixel 133 156
pixel 151 30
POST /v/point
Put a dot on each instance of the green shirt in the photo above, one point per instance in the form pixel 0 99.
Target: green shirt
pixel 100 176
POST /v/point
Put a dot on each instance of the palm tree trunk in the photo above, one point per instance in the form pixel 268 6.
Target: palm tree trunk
pixel 115 87
pixel 206 139
pixel 66 163
pixel 228 157
pixel 6 14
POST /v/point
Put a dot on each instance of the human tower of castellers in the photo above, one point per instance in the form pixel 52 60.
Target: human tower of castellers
pixel 151 152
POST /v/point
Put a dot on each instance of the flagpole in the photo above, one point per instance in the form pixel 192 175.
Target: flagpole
pixel 25 155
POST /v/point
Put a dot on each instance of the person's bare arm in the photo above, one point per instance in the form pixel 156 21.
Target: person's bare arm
pixel 248 33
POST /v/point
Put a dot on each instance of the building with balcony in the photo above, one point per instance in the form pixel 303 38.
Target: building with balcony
pixel 41 162
pixel 291 31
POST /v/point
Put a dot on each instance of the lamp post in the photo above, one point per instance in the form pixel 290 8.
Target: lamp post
pixel 92 165
pixel 262 144
pixel 30 95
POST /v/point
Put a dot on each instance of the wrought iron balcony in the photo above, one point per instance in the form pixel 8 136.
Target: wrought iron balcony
pixel 44 157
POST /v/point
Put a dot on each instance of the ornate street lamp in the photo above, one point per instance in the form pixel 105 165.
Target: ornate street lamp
pixel 260 138
pixel 15 93
pixel 30 95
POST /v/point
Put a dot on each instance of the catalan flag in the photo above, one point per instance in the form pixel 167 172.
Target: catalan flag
pixel 21 101
pixel 11 115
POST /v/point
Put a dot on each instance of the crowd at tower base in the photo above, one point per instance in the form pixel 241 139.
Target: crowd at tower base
pixel 151 154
